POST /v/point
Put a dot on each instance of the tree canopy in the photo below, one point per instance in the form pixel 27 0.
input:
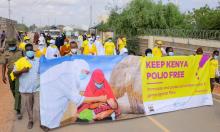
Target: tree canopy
pixel 140 15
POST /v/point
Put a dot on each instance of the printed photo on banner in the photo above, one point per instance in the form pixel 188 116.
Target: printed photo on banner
pixel 90 89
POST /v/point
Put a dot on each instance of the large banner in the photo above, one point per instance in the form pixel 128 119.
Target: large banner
pixel 133 86
pixel 175 83
pixel 67 81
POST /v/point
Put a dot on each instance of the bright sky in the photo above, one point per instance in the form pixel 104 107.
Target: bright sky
pixel 74 12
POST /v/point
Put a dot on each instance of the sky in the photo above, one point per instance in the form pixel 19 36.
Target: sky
pixel 75 12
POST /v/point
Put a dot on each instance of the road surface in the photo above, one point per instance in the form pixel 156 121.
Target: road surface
pixel 203 119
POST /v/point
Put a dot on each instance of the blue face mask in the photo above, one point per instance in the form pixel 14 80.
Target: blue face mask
pixel 30 54
pixel 99 86
pixel 171 54
pixel 216 57
pixel 82 76
pixel 12 48
pixel 149 55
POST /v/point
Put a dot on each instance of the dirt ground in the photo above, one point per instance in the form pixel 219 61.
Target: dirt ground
pixel 7 114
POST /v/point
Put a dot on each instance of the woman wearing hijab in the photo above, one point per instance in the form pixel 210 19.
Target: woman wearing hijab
pixel 99 86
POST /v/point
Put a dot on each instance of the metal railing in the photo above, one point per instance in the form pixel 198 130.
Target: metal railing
pixel 182 33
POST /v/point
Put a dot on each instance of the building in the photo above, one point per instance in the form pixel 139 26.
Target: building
pixel 8 26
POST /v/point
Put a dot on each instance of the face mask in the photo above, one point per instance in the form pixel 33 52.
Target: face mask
pixel 40 46
pixel 216 57
pixel 73 50
pixel 90 40
pixel 93 38
pixel 82 76
pixel 99 86
pixel 126 53
pixel 171 54
pixel 149 55
pixel 12 48
pixel 30 54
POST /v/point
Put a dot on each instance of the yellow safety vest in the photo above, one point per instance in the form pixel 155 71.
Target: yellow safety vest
pixel 109 48
pixel 19 65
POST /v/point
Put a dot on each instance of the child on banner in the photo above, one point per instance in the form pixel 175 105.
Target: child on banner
pixel 98 86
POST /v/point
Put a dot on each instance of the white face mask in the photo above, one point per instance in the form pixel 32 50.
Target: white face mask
pixel 40 47
pixel 149 55
pixel 216 57
pixel 74 50
pixel 90 41
pixel 171 53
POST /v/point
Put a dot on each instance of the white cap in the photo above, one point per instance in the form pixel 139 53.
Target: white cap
pixel 41 43
pixel 52 41
pixel 123 51
pixel 98 36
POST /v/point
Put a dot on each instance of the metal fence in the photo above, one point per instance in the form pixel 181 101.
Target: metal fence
pixel 182 33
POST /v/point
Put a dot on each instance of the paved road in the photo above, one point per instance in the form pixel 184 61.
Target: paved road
pixel 203 119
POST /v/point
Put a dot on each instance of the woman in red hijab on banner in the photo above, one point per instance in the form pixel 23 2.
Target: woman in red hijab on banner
pixel 99 86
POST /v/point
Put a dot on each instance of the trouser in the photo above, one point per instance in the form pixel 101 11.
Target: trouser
pixel 217 80
pixel 2 41
pixel 27 104
pixel 212 83
pixel 37 107
pixel 14 86
pixel 31 103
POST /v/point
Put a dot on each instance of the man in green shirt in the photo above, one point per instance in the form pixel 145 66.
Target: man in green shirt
pixel 7 59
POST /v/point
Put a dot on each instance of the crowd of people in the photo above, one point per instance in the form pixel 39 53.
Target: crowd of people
pixel 84 45
pixel 22 63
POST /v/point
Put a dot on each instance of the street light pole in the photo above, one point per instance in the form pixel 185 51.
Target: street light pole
pixel 91 13
pixel 9 9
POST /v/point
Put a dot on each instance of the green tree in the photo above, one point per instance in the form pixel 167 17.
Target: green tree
pixel 206 18
pixel 32 27
pixel 140 15
pixel 21 27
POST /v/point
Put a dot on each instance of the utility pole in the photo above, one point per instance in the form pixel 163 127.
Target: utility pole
pixel 9 9
pixel 91 13
pixel 22 20
pixel 48 21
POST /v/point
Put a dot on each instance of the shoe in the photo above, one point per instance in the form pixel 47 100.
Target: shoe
pixel 30 125
pixel 19 116
pixel 45 129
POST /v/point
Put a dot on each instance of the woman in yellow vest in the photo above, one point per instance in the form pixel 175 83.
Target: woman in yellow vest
pixel 121 43
pixel 109 48
pixel 214 72
pixel 158 51
pixel 65 49
pixel 89 48
pixel 41 50
pixel 22 44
